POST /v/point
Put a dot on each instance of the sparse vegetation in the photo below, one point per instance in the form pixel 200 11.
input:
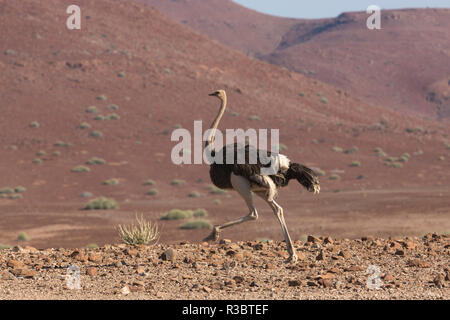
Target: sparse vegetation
pixel 214 190
pixel 143 232
pixel 217 201
pixel 15 196
pixel 56 153
pixel 95 160
pixel 102 97
pixel 112 182
pixel 6 191
pixel 177 214
pixel 81 169
pixel 149 183
pixel 196 224
pixel 96 134
pixel 41 153
pixel 351 150
pixel 34 124
pixel 194 194
pixel 337 149
pixel 319 172
pixel 335 177
pixel 37 161
pixel 63 144
pixel 4 246
pixel 324 100
pixel 99 117
pixel 102 203
pixel 152 192
pixel 92 246
pixel 177 182
pixel 92 109
pixel 20 189
pixel 113 107
pixel 254 118
pixel 23 237
pixel 85 126
pixel 200 213
pixel 355 164
pixel 112 116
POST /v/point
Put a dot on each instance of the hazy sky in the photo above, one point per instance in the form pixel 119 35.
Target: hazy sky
pixel 332 8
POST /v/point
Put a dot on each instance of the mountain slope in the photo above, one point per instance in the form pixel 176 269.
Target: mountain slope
pixel 391 67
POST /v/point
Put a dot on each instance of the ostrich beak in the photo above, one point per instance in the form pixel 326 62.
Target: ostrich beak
pixel 213 94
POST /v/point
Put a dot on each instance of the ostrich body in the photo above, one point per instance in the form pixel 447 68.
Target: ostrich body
pixel 247 178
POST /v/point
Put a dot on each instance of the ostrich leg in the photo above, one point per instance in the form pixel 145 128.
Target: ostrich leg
pixel 278 211
pixel 242 186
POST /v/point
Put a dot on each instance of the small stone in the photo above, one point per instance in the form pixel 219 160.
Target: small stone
pixel 23 272
pixel 400 252
pixel 419 263
pixel 238 279
pixel 311 284
pixel 439 281
pixel 345 254
pixel 354 268
pixel 138 283
pixel 206 289
pixel 294 283
pixel 93 272
pixel 224 241
pixel 131 252
pixel 125 291
pixel 368 238
pixel 328 240
pixel 313 239
pixel 326 283
pixel 14 264
pixel 270 266
pixel 169 255
pixel 30 249
pixel 320 255
pixel 389 278
pixel 326 276
pixel 140 270
pixel 93 257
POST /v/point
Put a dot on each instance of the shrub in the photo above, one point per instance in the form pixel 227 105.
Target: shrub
pixel 194 194
pixel 319 172
pixel 102 203
pixel 177 214
pixel 20 189
pixel 121 74
pixel 442 158
pixel 178 182
pixel 81 169
pixel 351 150
pixel 355 164
pixel 217 201
pixel 4 246
pixel 152 192
pixel 37 161
pixel 113 116
pixel 99 117
pixel 23 237
pixel 378 149
pixel 15 196
pixel 324 100
pixel 234 114
pixel 102 97
pixel 63 144
pixel 214 190
pixel 92 109
pixel 282 147
pixel 86 194
pixel 196 224
pixel 361 177
pixel 56 153
pixel 84 126
pixel 34 124
pixel 142 233
pixel 92 246
pixel 337 149
pixel 112 182
pixel 302 94
pixel 397 165
pixel 149 183
pixel 334 177
pixel 96 134
pixel 200 213
pixel 6 191
pixel 95 160
pixel 113 107
pixel 254 118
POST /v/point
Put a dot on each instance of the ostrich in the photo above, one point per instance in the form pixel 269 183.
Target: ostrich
pixel 246 179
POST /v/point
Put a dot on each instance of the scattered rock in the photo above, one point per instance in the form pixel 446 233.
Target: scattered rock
pixel 313 239
pixel 328 240
pixel 419 263
pixel 319 257
pixel 224 241
pixel 439 281
pixel 206 289
pixel 14 264
pixel 169 255
pixel 93 272
pixel 400 252
pixel 294 283
pixel 326 283
pixel 389 278
pixel 23 272
pixel 96 258
pixel 125 290
pixel 345 254
pixel 368 238
pixel 131 252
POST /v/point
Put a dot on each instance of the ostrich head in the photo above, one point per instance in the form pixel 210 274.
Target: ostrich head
pixel 219 94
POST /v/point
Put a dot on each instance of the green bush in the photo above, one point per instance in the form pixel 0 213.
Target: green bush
pixel 113 116
pixel 99 117
pixel 355 164
pixel 6 191
pixel 397 165
pixel 112 182
pixel 196 224
pixel 194 194
pixel 177 214
pixel 177 182
pixel 15 196
pixel 200 213
pixel 96 134
pixel 217 201
pixel 113 107
pixel 85 125
pixel 102 97
pixel 56 153
pixel 34 125
pixel 142 233
pixel 335 177
pixel 351 150
pixel 102 203
pixel 4 246
pixel 95 160
pixel 319 172
pixel 37 161
pixel 149 183
pixel 337 149
pixel 92 109
pixel 23 237
pixel 214 190
pixel 254 118
pixel 92 246
pixel 63 144
pixel 324 100
pixel 152 192
pixel 81 169
pixel 20 189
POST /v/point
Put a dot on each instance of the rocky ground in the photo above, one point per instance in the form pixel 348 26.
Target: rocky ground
pixel 409 268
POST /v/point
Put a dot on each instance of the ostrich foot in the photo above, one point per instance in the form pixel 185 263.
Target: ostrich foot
pixel 292 258
pixel 214 236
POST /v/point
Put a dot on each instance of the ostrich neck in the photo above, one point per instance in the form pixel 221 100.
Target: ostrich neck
pixel 215 124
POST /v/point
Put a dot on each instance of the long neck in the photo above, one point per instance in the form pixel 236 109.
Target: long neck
pixel 215 124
